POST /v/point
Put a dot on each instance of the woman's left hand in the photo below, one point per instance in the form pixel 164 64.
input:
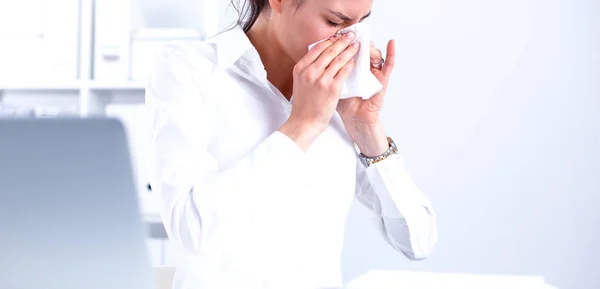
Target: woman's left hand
pixel 361 117
pixel 367 111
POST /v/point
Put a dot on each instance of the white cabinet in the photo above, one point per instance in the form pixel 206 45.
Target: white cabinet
pixel 128 33
pixel 112 28
pixel 39 40
pixel 93 52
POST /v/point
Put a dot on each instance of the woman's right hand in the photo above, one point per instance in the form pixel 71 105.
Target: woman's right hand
pixel 318 80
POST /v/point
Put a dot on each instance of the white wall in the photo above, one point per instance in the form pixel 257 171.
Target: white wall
pixel 496 108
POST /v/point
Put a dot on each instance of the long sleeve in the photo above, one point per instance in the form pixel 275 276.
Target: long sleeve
pixel 197 196
pixel 403 215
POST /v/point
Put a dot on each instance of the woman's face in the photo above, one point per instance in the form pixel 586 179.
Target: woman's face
pixel 303 22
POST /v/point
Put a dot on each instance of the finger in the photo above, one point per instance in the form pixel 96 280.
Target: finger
pixel 390 59
pixel 343 73
pixel 376 55
pixel 341 60
pixel 316 51
pixel 333 51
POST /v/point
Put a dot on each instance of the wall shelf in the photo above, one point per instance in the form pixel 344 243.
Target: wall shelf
pixel 117 85
pixel 73 85
pixel 36 86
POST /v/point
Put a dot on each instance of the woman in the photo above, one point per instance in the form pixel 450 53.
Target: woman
pixel 256 184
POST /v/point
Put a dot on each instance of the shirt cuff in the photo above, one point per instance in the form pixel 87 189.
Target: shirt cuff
pixel 397 193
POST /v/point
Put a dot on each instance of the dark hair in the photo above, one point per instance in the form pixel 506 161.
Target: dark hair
pixel 250 9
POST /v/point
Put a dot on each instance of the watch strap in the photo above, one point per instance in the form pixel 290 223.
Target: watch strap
pixel 368 161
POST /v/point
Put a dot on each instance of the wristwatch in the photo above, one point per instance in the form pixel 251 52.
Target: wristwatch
pixel 392 150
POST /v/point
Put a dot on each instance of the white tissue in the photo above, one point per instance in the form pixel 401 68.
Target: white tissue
pixel 361 82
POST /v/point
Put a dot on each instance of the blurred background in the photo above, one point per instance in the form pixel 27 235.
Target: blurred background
pixel 495 106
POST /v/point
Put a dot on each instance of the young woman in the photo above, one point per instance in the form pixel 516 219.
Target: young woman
pixel 254 154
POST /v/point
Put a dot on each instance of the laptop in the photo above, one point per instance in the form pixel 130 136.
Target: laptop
pixel 69 214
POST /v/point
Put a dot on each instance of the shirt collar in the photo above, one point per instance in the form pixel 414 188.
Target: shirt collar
pixel 234 48
pixel 231 45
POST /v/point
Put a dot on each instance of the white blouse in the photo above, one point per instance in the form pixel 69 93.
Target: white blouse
pixel 251 209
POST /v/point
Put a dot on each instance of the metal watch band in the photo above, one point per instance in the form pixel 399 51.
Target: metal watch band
pixel 367 161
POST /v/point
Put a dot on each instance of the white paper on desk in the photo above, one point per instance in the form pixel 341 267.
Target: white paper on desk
pixel 361 82
pixel 399 279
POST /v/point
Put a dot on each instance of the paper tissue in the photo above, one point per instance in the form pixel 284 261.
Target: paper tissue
pixel 361 82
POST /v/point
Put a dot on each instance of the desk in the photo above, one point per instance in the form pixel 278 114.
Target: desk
pixel 156 230
pixel 158 239
pixel 400 279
